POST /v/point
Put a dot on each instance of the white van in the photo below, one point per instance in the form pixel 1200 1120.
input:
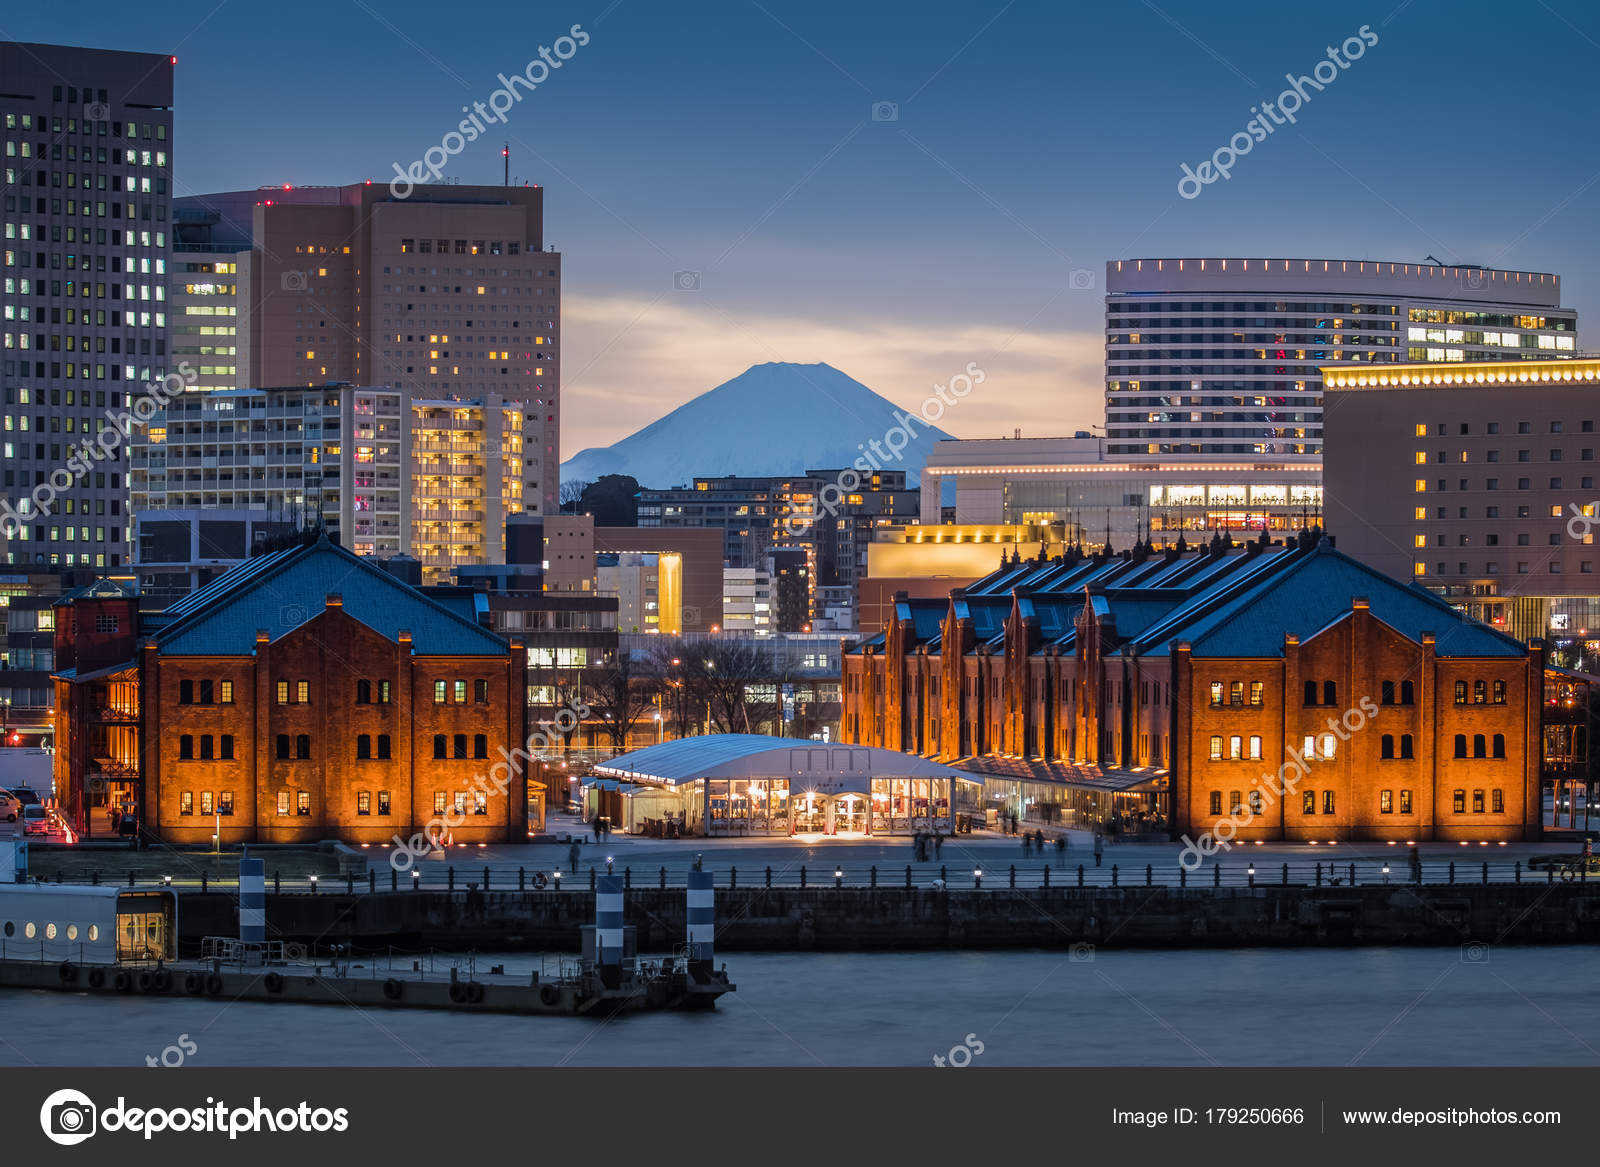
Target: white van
pixel 10 807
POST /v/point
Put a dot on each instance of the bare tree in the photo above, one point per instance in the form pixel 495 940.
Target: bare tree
pixel 727 679
pixel 571 494
pixel 619 694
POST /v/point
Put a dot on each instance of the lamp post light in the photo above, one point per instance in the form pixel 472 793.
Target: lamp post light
pixel 1386 872
pixel 1251 872
pixel 416 879
pixel 313 885
pixel 166 881
pixel 838 877
pixel 557 874
pixel 609 862
pixel 977 877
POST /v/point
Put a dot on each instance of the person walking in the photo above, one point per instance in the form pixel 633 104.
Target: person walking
pixel 1099 847
pixel 572 857
pixel 1061 850
pixel 938 845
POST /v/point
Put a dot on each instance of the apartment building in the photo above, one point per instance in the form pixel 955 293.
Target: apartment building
pixel 386 474
pixel 448 293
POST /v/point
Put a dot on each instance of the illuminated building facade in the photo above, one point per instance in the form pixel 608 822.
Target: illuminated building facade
pixel 305 695
pixel 1477 481
pixel 386 474
pixel 1072 484
pixel 1209 357
pixel 1287 688
pixel 83 285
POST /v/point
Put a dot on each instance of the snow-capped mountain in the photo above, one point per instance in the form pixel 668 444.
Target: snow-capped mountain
pixel 777 418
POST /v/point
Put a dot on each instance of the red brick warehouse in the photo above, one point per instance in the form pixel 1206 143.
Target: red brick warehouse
pixel 305 695
pixel 1176 688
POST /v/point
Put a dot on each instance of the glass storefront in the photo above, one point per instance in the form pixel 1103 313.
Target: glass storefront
pixel 747 806
pixel 1138 811
pixel 770 806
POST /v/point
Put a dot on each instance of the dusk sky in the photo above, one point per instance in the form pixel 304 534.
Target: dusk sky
pixel 737 139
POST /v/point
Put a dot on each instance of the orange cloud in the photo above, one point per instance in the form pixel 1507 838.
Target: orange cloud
pixel 629 360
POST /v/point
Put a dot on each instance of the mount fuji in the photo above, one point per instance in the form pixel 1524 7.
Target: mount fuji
pixel 772 419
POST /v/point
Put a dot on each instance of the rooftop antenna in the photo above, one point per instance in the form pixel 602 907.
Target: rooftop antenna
pixel 505 156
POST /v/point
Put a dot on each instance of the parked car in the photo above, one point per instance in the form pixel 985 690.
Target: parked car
pixel 36 820
pixel 26 795
pixel 10 807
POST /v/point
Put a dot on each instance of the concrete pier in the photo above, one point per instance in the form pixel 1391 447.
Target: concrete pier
pixel 861 919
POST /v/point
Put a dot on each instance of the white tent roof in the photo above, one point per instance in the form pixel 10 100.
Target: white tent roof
pixel 748 755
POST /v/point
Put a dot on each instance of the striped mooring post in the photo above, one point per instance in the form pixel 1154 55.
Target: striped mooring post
pixel 702 925
pixel 253 901
pixel 608 930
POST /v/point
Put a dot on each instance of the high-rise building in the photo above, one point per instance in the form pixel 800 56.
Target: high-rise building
pixel 447 293
pixel 1477 482
pixel 202 293
pixel 83 305
pixel 385 473
pixel 1221 356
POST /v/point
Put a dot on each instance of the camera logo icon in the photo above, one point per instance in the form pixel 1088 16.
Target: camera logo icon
pixel 886 111
pixel 1475 952
pixel 1081 280
pixel 68 1117
pixel 1475 279
pixel 1081 953
pixel 686 281
pixel 294 281
pixel 293 615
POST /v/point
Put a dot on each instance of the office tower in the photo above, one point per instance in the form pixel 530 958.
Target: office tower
pixel 1221 356
pixel 1477 482
pixel 83 308
pixel 447 293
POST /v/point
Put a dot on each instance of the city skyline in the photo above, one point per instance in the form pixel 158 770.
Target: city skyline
pixel 893 200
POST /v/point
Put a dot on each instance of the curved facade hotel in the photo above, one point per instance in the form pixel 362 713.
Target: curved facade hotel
pixel 1221 356
pixel 1285 688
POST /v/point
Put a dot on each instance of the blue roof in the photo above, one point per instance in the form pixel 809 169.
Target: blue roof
pixel 1316 591
pixel 1239 602
pixel 283 590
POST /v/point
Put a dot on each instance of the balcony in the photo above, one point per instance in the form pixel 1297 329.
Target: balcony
pixel 458 448
pixel 447 469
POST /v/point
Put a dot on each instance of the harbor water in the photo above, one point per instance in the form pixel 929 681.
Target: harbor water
pixel 1473 1005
